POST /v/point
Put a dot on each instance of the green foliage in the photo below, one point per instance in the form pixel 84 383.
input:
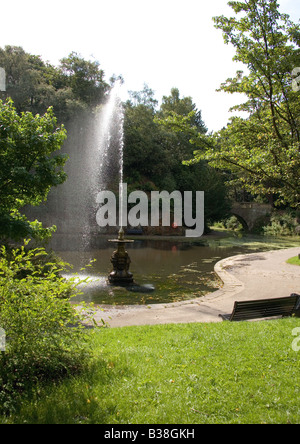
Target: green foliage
pixel 231 223
pixel 72 87
pixel 174 105
pixel 85 78
pixel 29 80
pixel 157 142
pixel 261 151
pixel 29 166
pixel 44 337
pixel 145 97
pixel 16 226
pixel 143 151
pixel 281 224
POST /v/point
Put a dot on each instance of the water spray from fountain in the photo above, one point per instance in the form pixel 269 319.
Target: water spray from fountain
pixel 110 140
pixel 120 258
pixel 96 165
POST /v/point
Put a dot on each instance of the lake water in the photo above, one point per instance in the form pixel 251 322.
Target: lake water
pixel 178 269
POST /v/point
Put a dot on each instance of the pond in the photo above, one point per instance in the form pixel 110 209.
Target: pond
pixel 177 269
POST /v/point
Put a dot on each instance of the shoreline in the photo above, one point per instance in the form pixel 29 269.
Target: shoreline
pixel 246 276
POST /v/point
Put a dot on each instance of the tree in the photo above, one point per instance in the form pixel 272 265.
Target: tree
pixel 28 84
pixel 34 85
pixel 145 97
pixel 158 141
pixel 262 150
pixel 85 78
pixel 182 106
pixel 144 156
pixel 183 125
pixel 29 165
pixel 177 140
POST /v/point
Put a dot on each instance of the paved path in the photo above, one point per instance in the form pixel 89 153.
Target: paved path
pixel 251 276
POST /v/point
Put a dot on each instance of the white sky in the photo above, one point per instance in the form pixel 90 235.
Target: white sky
pixel 164 43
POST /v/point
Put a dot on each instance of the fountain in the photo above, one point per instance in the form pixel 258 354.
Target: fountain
pixel 121 262
pixel 120 275
pixel 120 258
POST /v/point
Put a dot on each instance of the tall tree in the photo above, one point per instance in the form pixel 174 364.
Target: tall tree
pixel 183 124
pixel 182 106
pixel 144 158
pixel 263 150
pixel 34 85
pixel 85 78
pixel 28 82
pixel 157 142
pixel 145 97
pixel 177 140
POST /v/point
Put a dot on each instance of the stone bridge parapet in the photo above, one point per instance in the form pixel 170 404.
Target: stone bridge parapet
pixel 248 213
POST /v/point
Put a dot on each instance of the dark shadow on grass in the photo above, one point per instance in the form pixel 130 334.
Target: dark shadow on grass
pixel 74 399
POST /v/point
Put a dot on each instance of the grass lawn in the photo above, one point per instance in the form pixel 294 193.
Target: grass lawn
pixel 294 261
pixel 180 374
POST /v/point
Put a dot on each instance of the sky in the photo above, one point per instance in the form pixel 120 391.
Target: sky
pixel 163 43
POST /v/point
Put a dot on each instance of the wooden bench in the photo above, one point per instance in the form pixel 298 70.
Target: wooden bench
pixel 263 308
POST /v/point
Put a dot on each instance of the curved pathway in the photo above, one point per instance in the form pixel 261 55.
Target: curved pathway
pixel 247 276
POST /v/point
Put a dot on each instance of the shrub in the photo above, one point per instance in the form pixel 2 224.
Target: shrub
pixel 45 338
pixel 230 223
pixel 281 224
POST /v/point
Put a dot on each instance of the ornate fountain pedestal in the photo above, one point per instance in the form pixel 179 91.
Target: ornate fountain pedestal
pixel 121 262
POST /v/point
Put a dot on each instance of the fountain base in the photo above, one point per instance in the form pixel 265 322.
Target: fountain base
pixel 119 279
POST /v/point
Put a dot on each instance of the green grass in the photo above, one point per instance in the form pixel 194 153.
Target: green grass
pixel 294 261
pixel 180 374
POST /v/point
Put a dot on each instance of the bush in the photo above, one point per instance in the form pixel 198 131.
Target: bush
pixel 230 223
pixel 281 224
pixel 45 338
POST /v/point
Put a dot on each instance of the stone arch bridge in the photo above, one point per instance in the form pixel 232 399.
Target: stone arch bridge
pixel 248 213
